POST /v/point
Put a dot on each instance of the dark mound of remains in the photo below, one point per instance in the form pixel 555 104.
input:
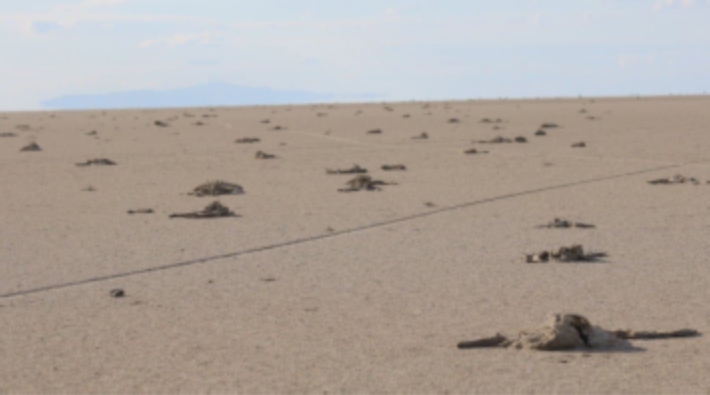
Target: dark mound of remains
pixel 161 124
pixel 574 253
pixel 540 133
pixel 247 140
pixel 580 144
pixel 488 120
pixel 213 210
pixel 216 188
pixel 356 169
pixel 8 134
pixel 31 147
pixel 676 179
pixel 394 167
pixel 422 136
pixel 374 131
pixel 363 183
pixel 453 120
pixel 563 223
pixel 564 332
pixel 496 140
pixel 549 125
pixel 521 139
pixel 99 162
pixel 141 211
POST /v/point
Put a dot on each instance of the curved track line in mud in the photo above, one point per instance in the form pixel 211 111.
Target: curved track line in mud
pixel 329 235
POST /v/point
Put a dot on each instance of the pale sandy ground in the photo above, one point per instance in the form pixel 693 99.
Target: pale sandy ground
pixel 378 305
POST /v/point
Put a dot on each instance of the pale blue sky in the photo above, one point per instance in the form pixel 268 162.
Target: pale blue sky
pixel 400 50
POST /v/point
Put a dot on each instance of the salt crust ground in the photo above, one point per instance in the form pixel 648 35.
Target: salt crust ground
pixel 378 310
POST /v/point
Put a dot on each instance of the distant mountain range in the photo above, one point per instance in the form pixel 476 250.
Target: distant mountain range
pixel 215 94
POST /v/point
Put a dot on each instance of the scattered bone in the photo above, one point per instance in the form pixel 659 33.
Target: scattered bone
pixel 247 140
pixel 7 134
pixel 571 332
pixel 264 155
pixel 374 131
pixel 494 341
pixel 422 136
pixel 473 151
pixel 101 162
pixel 676 179
pixel 563 223
pixel 31 147
pixel 549 125
pixel 521 139
pixel 496 140
pixel 363 183
pixel 394 167
pixel 356 169
pixel 141 211
pixel 216 188
pixel 580 144
pixel 161 124
pixel 574 253
pixel 540 133
pixel 213 210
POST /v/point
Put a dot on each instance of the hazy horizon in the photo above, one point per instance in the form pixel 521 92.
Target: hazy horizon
pixel 397 51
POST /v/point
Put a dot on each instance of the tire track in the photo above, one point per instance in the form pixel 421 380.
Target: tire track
pixel 305 240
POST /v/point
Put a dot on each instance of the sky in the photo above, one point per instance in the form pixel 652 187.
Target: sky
pixel 393 50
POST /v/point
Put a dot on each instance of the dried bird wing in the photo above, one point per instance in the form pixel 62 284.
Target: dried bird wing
pixel 394 167
pixel 141 211
pixel 363 182
pixel 356 169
